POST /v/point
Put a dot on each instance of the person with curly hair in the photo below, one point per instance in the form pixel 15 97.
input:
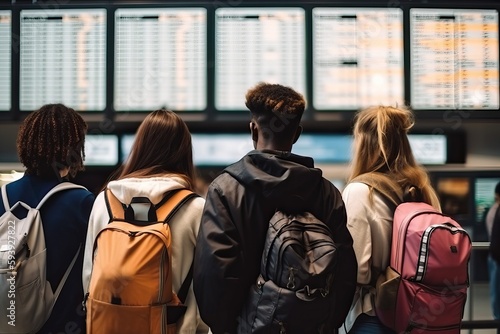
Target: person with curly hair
pixel 50 144
pixel 241 201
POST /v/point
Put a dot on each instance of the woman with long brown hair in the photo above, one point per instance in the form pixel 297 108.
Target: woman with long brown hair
pixel 160 162
pixel 380 145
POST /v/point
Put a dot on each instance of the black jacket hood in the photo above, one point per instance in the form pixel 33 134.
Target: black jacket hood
pixel 286 179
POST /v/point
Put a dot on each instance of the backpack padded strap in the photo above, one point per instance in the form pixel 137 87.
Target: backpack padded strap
pixel 168 209
pixel 384 184
pixel 164 212
pixel 4 198
pixel 64 278
pixel 390 190
pixel 116 208
pixel 59 187
pixel 183 291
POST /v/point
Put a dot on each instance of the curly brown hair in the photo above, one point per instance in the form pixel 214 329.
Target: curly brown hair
pixel 50 139
pixel 276 108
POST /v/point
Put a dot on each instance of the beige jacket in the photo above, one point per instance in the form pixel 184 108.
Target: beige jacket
pixel 369 220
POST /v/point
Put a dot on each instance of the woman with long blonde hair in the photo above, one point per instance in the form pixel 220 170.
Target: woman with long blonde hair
pixel 381 145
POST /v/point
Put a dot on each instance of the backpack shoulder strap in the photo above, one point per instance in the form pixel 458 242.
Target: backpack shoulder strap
pixel 166 209
pixel 64 278
pixel 59 187
pixel 390 190
pixel 169 206
pixel 384 184
pixel 116 209
pixel 184 289
pixel 4 198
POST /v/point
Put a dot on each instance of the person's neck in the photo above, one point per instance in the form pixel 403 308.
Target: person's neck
pixel 273 147
pixel 63 173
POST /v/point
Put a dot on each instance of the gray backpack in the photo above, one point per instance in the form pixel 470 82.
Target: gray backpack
pixel 26 296
pixel 294 291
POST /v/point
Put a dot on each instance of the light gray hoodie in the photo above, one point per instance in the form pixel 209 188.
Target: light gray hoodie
pixel 184 228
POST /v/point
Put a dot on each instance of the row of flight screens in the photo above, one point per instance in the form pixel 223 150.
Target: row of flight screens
pixel 223 149
pixel 161 57
pixel 218 150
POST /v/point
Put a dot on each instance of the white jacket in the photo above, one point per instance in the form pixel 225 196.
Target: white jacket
pixel 369 220
pixel 184 228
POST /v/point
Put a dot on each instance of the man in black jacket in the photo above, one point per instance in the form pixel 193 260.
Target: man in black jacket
pixel 241 201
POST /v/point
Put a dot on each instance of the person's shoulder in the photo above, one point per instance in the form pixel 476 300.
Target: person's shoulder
pixel 77 196
pixel 223 181
pixel 356 189
pixel 328 186
pixel 360 186
pixel 197 202
pixel 79 192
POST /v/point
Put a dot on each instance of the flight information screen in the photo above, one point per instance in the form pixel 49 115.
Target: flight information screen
pixel 5 59
pixel 357 57
pixel 101 150
pixel 63 58
pixel 429 149
pixel 454 59
pixel 160 59
pixel 255 45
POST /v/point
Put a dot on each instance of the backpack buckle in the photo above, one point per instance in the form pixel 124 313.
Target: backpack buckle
pixel 140 209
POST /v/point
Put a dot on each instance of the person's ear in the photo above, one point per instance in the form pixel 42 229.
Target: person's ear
pixel 254 130
pixel 297 134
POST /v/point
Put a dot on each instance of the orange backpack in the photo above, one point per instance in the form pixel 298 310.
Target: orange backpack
pixel 130 288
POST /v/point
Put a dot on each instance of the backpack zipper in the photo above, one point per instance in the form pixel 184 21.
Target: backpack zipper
pixel 282 327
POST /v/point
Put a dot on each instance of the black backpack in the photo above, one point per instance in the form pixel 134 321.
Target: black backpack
pixel 293 293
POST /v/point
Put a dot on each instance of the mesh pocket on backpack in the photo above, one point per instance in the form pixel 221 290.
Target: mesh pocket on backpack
pixel 386 296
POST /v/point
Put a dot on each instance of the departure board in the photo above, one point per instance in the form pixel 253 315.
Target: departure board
pixel 255 45
pixel 357 57
pixel 101 150
pixel 160 59
pixel 454 59
pixel 63 55
pixel 429 149
pixel 5 59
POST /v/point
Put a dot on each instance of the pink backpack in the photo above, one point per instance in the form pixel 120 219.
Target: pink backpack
pixel 424 289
